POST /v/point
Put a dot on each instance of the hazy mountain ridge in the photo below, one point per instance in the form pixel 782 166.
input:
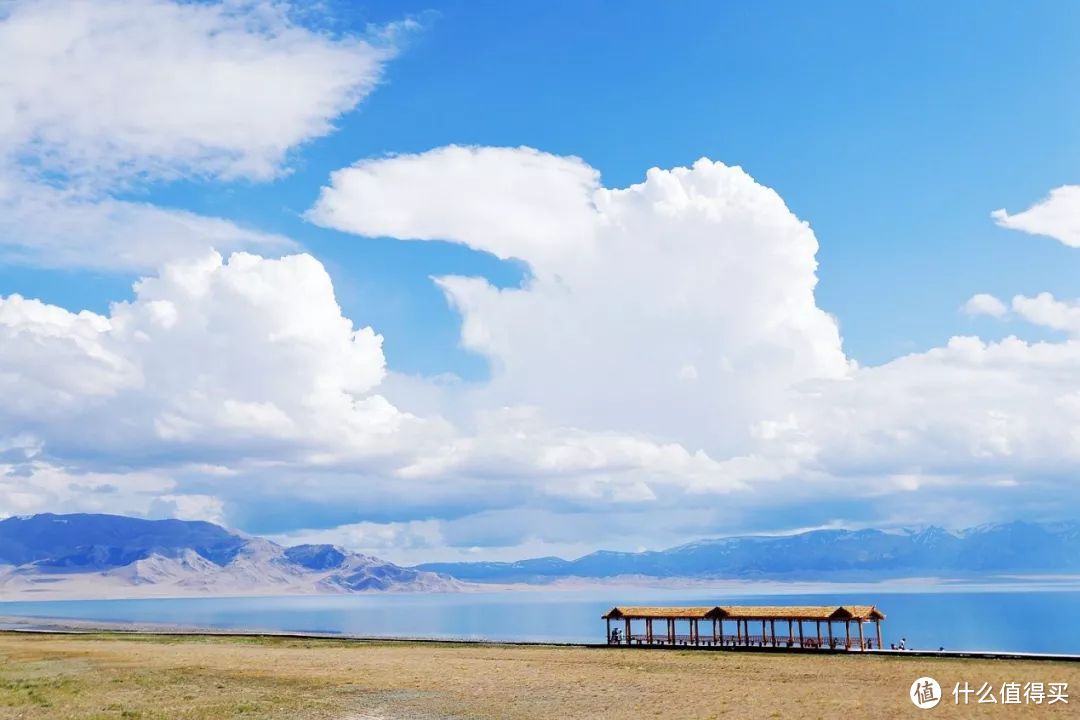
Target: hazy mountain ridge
pixel 86 555
pixel 68 556
pixel 819 555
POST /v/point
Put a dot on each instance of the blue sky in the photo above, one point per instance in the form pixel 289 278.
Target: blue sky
pixel 894 130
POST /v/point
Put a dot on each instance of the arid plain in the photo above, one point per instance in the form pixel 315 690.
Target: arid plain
pixel 200 677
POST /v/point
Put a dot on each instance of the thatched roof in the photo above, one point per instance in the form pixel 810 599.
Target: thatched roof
pixel 750 612
pixel 863 612
pixel 773 612
pixel 801 612
pixel 679 613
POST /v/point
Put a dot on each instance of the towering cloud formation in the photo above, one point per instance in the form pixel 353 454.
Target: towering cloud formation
pixel 682 307
pixel 229 360
pixel 682 310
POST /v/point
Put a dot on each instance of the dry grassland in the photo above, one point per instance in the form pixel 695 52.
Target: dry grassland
pixel 206 678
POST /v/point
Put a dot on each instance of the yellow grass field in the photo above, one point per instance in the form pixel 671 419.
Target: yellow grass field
pixel 206 677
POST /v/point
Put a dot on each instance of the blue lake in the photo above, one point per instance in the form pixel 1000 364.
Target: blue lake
pixel 1035 621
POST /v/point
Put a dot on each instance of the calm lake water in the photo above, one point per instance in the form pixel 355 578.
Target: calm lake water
pixel 1037 621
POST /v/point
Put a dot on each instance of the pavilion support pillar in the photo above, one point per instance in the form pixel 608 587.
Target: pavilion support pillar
pixel 878 624
pixel 715 631
pixel 738 632
pixel 829 623
pixel 628 635
pixel 801 643
pixel 772 632
pixel 847 634
pixel 862 642
pixel 790 634
pixel 696 633
pixel 763 638
pixel 648 630
pixel 819 633
pixel 671 631
pixel 608 620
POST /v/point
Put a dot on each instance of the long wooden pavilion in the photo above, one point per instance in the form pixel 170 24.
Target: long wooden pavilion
pixel 801 626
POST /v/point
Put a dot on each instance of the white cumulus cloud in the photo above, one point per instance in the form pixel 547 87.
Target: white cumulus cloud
pixel 245 358
pixel 700 268
pixel 959 434
pixel 1046 310
pixel 155 87
pixel 510 202
pixel 984 304
pixel 664 366
pixel 37 486
pixel 1056 216
pixel 101 95
pixel 668 344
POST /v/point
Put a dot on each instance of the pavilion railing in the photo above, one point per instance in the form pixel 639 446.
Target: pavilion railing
pixel 707 640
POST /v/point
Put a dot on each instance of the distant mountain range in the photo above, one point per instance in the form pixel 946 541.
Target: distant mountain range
pixel 1017 548
pixel 96 556
pixel 46 556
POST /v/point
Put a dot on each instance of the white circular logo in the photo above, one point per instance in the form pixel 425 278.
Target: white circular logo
pixel 925 693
